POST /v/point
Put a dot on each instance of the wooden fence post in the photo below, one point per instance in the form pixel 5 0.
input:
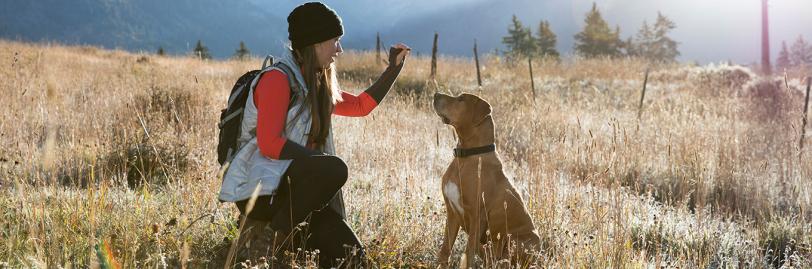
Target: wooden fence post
pixel 532 83
pixel 476 60
pixel 378 47
pixel 642 96
pixel 434 58
pixel 803 125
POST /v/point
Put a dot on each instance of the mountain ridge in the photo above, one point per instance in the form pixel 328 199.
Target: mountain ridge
pixel 143 25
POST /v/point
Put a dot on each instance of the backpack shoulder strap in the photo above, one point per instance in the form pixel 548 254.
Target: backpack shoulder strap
pixel 269 60
pixel 284 68
pixel 289 72
pixel 270 63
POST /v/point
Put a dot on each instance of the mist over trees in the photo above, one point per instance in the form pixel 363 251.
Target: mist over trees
pixel 596 39
pixel 798 55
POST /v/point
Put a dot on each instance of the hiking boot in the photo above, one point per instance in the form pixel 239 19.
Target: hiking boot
pixel 256 241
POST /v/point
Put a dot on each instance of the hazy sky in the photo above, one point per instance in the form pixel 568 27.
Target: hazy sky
pixel 707 30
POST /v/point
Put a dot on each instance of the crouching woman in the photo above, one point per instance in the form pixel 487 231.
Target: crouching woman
pixel 287 145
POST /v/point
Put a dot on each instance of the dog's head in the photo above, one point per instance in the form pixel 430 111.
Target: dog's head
pixel 461 111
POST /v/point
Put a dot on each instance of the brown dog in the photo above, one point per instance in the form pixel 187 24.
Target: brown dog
pixel 478 196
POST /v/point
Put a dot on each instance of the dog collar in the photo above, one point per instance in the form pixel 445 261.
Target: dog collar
pixel 460 153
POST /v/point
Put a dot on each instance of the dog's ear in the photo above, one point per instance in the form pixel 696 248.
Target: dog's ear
pixel 484 107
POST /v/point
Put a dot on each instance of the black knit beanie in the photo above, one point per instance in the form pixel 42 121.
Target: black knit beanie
pixel 311 23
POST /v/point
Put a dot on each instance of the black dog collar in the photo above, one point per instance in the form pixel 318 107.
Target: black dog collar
pixel 460 153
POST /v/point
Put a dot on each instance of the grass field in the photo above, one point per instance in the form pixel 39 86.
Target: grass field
pixel 109 148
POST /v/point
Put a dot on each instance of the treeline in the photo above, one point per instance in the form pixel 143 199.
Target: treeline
pixel 597 39
pixel 798 55
pixel 202 52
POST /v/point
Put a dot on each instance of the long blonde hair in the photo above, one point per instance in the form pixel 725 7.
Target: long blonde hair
pixel 323 93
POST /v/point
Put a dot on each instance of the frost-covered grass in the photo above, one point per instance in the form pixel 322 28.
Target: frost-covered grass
pixel 104 146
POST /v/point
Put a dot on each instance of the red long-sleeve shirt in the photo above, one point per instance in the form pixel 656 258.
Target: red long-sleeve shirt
pixel 272 97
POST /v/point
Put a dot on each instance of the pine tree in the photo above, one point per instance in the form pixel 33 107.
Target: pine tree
pixel 664 48
pixel 242 52
pixel 783 62
pixel 628 47
pixel 640 46
pixel 529 46
pixel 545 41
pixel 800 53
pixel 201 51
pixel 515 34
pixel 519 40
pixel 161 51
pixel 653 43
pixel 597 39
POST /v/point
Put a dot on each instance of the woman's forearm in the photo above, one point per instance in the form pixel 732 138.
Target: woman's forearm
pixel 292 151
pixel 381 87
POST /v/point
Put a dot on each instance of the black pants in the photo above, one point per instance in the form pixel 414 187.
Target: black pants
pixel 307 187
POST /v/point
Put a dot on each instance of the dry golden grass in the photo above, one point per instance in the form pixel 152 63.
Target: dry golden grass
pixel 108 146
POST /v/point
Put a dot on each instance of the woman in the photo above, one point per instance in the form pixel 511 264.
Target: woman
pixel 288 150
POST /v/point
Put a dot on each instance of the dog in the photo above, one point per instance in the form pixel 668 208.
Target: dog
pixel 478 196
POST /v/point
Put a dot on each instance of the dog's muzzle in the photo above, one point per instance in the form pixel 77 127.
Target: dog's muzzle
pixel 437 104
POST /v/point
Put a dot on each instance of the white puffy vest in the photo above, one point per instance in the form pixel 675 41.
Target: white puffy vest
pixel 249 167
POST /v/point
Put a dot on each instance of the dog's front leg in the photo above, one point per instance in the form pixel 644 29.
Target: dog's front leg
pixel 472 248
pixel 452 227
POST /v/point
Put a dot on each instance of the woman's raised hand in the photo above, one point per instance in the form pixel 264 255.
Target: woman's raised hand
pixel 397 54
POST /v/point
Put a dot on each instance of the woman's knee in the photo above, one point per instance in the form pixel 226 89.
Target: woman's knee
pixel 337 170
pixel 262 209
